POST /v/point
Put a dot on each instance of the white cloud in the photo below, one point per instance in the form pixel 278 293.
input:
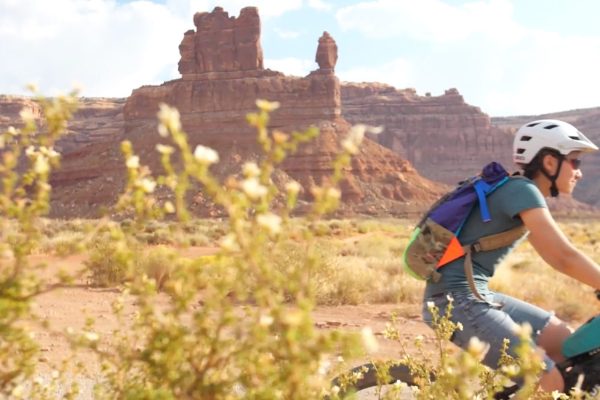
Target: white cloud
pixel 108 48
pixel 291 66
pixel 266 8
pixel 547 73
pixel 282 33
pixel 479 48
pixel 430 20
pixel 319 5
pixel 398 72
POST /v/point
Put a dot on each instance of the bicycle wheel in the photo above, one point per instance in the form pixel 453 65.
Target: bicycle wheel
pixel 368 377
pixel 396 372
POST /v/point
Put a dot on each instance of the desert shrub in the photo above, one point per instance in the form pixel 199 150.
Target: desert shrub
pixel 236 324
pixel 63 243
pixel 253 335
pixel 110 259
pixel 26 159
pixel 157 263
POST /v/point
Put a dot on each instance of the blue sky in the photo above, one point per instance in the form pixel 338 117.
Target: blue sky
pixel 507 57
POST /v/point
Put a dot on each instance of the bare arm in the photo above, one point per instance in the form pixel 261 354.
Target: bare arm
pixel 553 246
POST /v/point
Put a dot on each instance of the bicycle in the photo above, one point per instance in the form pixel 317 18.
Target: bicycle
pixel 582 358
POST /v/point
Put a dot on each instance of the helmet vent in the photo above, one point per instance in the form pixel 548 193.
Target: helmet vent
pixel 520 151
pixel 551 126
pixel 575 137
pixel 525 138
pixel 533 124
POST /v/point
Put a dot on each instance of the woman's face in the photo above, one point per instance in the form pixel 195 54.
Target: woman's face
pixel 570 173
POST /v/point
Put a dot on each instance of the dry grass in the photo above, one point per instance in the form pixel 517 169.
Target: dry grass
pixel 359 261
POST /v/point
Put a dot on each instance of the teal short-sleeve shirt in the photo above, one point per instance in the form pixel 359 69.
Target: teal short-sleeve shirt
pixel 505 204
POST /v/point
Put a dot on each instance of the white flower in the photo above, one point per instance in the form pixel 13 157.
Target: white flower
pixel 18 391
pixel 369 340
pixel 133 162
pixel 270 221
pixel 164 149
pixel 349 146
pixel 292 187
pixel 511 370
pixel 41 165
pixel 357 133
pixel 333 193
pixel 12 131
pixel 162 130
pixel 169 119
pixel 265 320
pixel 229 242
pixel 266 105
pixel 169 207
pixel 30 151
pixel 49 152
pixel 335 389
pixel 459 326
pixel 253 188
pixel 524 330
pixel 27 115
pixel 206 155
pixel 357 375
pixel 477 348
pixel 250 169
pixel 340 359
pixel 400 385
pixel 430 304
pixel 148 185
pixel 91 336
pixel 324 366
pixel 419 338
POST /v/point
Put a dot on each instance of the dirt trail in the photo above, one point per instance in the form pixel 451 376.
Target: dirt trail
pixel 70 307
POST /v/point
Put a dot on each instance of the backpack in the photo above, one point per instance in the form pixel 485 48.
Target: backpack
pixel 434 242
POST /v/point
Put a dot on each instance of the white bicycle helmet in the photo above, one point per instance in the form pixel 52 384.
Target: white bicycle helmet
pixel 548 133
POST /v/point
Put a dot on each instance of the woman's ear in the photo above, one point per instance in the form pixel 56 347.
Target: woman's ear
pixel 550 163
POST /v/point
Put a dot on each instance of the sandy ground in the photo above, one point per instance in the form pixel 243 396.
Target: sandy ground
pixel 69 307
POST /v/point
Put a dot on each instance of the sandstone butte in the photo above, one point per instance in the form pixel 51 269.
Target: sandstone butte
pixel 222 74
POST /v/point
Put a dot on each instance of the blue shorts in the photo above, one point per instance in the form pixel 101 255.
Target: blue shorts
pixel 489 324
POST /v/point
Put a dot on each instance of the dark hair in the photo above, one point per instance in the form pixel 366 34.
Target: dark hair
pixel 535 165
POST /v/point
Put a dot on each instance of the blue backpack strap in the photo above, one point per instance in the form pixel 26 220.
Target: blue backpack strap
pixel 482 188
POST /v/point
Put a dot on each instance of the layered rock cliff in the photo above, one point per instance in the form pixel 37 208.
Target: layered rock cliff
pixel 221 77
pixel 445 138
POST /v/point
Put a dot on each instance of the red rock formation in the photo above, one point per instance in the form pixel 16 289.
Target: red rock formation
pixel 222 76
pixel 213 98
pixel 222 43
pixel 326 53
pixel 442 136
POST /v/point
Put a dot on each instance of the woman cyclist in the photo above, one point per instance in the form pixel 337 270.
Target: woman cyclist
pixel 548 152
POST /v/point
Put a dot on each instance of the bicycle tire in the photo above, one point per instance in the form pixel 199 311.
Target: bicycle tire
pixel 368 377
pixel 397 372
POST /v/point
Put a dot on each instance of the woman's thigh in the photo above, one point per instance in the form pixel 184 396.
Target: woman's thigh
pixel 490 324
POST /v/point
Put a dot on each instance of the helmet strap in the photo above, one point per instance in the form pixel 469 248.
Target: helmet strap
pixel 553 188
